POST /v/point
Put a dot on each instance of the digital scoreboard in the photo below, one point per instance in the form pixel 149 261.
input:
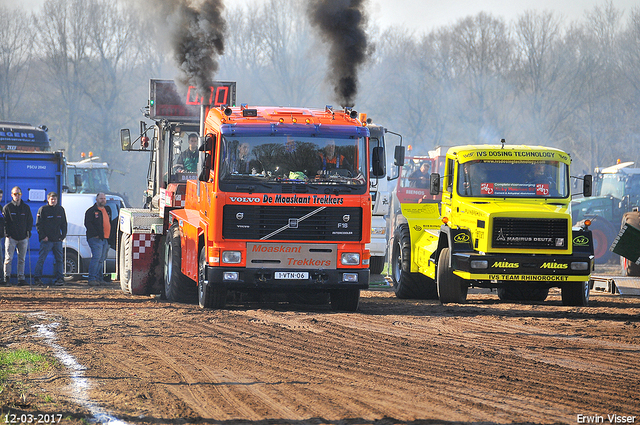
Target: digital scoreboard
pixel 167 101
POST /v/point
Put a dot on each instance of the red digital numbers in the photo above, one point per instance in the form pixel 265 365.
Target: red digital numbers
pixel 216 98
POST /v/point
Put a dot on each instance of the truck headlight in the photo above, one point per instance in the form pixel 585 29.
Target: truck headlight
pixel 349 277
pixel 378 230
pixel 479 264
pixel 231 257
pixel 350 258
pixel 580 265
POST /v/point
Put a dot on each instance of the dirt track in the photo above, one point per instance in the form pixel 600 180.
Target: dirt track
pixel 394 362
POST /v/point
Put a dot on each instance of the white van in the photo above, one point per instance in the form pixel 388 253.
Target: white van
pixel 77 253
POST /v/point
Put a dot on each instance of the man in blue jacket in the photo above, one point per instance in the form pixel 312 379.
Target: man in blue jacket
pixel 51 223
pixel 18 223
pixel 97 220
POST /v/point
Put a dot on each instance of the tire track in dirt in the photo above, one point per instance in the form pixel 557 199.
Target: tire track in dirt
pixel 384 375
pixel 533 368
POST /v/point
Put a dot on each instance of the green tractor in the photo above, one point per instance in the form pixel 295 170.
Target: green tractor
pixel 616 190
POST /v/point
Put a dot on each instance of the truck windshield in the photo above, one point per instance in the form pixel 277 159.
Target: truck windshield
pixel 92 180
pixel 546 179
pixel 183 151
pixel 317 162
pixel 610 184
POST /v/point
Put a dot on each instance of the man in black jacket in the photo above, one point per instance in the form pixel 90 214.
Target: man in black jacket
pixel 2 282
pixel 97 220
pixel 51 223
pixel 18 223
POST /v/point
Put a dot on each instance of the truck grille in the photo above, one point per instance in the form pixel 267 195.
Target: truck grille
pixel 255 222
pixel 541 233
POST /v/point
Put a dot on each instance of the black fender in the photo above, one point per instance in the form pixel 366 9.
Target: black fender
pixel 457 240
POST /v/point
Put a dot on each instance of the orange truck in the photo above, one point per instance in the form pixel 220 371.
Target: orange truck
pixel 279 203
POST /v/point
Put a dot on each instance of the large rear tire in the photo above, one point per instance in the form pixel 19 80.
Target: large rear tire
pixel 575 294
pixel 408 285
pixel 524 291
pixel 451 288
pixel 603 234
pixel 125 263
pixel 629 268
pixel 345 299
pixel 376 265
pixel 177 286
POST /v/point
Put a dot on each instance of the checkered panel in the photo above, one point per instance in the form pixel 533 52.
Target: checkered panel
pixel 142 243
pixel 179 201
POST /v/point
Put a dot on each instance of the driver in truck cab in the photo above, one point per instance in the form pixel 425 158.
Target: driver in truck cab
pixel 330 160
pixel 188 159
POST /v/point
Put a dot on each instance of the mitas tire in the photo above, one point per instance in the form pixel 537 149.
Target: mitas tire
pixel 407 285
pixel 575 294
pixel 345 300
pixel 376 265
pixel 451 288
pixel 209 296
pixel 629 268
pixel 177 286
pixel 523 292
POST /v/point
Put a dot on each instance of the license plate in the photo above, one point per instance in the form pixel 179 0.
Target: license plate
pixel 292 275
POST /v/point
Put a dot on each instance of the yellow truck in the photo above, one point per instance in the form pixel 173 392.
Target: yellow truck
pixel 504 223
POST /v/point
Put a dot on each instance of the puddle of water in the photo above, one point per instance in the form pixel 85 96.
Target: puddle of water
pixel 80 385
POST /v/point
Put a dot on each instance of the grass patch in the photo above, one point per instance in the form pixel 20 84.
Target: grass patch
pixel 21 362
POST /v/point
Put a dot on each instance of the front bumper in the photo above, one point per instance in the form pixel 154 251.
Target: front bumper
pixel 264 279
pixel 549 269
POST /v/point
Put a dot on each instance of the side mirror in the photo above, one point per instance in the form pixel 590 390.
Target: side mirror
pixel 434 183
pixel 125 139
pixel 398 156
pixel 378 162
pixel 77 180
pixel 208 143
pixel 587 185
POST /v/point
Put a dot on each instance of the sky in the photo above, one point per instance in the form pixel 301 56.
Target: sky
pixel 422 16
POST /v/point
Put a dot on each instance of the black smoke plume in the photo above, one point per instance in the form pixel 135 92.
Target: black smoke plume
pixel 342 23
pixel 196 37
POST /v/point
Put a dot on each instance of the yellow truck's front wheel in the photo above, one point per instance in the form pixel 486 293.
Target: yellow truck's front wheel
pixel 451 288
pixel 408 285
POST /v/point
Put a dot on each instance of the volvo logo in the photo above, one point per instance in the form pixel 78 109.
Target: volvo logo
pixel 239 216
pixel 346 218
pixel 293 223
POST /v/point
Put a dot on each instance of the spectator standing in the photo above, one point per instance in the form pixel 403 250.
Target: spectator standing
pixel 97 220
pixel 51 223
pixel 18 222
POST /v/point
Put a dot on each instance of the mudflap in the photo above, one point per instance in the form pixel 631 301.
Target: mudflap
pixel 147 264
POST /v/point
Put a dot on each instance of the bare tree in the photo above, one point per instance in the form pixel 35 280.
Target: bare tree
pixel 62 42
pixel 16 48
pixel 598 118
pixel 483 60
pixel 547 77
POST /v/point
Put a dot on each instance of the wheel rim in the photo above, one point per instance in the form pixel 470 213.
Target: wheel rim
pixel 201 288
pixel 71 266
pixel 168 264
pixel 397 265
pixel 585 288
